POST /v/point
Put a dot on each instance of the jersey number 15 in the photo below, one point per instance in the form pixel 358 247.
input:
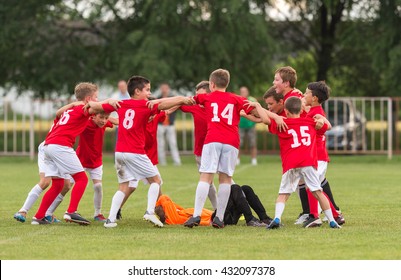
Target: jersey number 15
pixel 305 137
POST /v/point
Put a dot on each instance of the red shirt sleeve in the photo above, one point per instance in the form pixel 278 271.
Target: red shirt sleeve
pixel 108 108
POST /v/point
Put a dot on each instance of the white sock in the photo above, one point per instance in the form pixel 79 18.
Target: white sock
pixel 153 194
pixel 54 205
pixel 222 199
pixel 279 210
pixel 115 205
pixel 33 195
pixel 202 191
pixel 97 198
pixel 329 215
pixel 213 196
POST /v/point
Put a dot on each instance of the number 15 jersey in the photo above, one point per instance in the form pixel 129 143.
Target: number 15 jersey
pixel 223 116
pixel 298 143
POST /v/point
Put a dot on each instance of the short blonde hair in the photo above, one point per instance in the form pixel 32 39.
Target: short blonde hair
pixel 221 77
pixel 84 89
pixel 288 74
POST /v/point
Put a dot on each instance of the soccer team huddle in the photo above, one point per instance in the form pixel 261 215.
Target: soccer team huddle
pixel 297 119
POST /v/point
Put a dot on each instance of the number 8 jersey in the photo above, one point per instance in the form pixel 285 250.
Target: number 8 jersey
pixel 223 116
pixel 133 117
pixel 298 143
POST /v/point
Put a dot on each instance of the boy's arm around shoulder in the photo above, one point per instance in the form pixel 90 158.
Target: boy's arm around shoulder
pixel 170 102
pixel 67 107
pixel 321 121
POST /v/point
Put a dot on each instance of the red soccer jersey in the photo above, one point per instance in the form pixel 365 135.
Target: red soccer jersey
pixel 298 143
pixel 293 93
pixel 200 123
pixel 223 116
pixel 151 137
pixel 133 117
pixel 322 153
pixel 70 125
pixel 90 146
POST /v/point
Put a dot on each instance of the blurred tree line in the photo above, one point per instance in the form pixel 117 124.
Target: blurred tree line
pixel 50 45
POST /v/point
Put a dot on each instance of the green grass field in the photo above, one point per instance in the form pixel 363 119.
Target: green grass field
pixel 366 188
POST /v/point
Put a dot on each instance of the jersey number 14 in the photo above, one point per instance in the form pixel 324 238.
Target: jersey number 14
pixel 226 114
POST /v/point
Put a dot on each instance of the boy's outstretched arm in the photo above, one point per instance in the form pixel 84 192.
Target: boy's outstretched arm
pixel 68 106
pixel 170 102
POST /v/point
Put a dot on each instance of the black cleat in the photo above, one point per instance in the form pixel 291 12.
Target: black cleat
pixel 217 223
pixel 255 223
pixel 76 218
pixel 311 221
pixel 193 221
pixel 43 221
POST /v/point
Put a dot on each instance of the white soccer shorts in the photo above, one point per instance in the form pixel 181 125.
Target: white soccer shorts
pixel 290 179
pixel 61 161
pixel 218 157
pixel 133 167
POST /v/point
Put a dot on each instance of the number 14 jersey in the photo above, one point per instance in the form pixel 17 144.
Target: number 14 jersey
pixel 223 116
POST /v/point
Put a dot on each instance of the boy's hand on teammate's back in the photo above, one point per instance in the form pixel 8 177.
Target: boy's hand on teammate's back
pixel 189 101
pixel 251 103
pixel 115 103
pixel 152 103
pixel 281 125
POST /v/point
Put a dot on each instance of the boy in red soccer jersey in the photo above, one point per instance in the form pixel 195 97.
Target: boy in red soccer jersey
pixel 90 153
pixel 151 152
pixel 316 93
pixel 298 155
pixel 61 159
pixel 220 150
pixel 44 181
pixel 132 163
pixel 200 129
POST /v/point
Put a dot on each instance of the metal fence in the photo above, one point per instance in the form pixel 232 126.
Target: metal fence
pixel 366 125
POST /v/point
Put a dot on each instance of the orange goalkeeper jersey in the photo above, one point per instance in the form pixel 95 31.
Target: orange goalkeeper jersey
pixel 177 215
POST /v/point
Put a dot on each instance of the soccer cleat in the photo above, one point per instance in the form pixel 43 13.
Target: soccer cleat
pixel 301 219
pixel 76 218
pixel 334 224
pixel 340 219
pixel 100 218
pixel 119 215
pixel 153 219
pixel 109 224
pixel 193 221
pixel 267 221
pixel 255 223
pixel 52 219
pixel 20 217
pixel 217 223
pixel 312 222
pixel 43 221
pixel 274 224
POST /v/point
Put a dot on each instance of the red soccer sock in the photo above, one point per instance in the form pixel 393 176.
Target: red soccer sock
pixel 313 204
pixel 49 197
pixel 81 180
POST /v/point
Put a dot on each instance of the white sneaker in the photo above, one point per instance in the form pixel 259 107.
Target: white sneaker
pixel 153 219
pixel 254 161
pixel 301 219
pixel 109 224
